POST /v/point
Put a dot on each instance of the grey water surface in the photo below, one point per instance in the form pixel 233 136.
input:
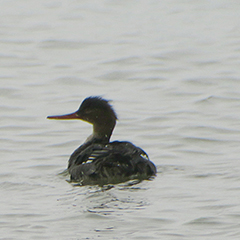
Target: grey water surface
pixel 172 69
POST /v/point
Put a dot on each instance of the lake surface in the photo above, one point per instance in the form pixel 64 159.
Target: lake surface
pixel 172 69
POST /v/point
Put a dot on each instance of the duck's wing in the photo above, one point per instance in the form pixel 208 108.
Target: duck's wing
pixel 83 163
pixel 122 159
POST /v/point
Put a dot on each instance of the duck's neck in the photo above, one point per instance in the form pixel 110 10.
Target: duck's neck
pixel 101 133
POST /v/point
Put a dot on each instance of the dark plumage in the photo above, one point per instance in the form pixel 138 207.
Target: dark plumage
pixel 99 161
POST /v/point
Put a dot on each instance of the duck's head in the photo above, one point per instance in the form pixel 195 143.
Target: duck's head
pixel 96 111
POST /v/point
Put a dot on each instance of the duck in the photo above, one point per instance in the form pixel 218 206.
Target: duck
pixel 101 162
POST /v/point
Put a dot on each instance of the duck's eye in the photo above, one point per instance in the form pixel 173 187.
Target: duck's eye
pixel 88 111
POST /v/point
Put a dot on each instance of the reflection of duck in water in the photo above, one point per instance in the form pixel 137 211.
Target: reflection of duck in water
pixel 98 161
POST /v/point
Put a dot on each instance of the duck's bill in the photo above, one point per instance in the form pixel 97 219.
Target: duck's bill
pixel 66 116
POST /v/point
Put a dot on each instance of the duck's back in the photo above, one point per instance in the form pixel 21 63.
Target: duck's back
pixel 110 163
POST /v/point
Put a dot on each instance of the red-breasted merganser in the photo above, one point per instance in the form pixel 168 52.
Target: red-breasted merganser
pixel 98 161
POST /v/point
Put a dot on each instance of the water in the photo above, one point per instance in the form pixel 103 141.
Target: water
pixel 172 71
